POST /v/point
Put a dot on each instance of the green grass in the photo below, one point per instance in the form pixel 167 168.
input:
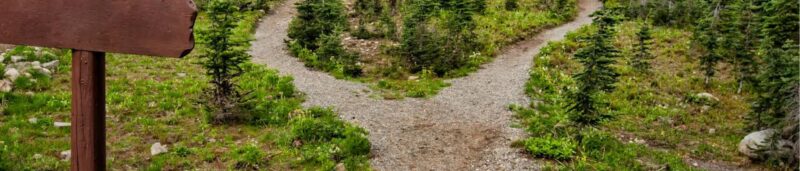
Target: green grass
pixel 656 108
pixel 157 100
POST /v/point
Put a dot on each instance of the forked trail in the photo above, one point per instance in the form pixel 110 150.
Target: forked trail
pixel 466 127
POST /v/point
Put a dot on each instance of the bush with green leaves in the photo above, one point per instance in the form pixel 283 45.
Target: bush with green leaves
pixel 438 35
pixel 551 148
pixel 316 18
pixel 223 60
pixel 325 140
pixel 248 157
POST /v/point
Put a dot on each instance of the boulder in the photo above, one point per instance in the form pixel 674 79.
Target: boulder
pixel 753 141
pixel 12 74
pixel 157 148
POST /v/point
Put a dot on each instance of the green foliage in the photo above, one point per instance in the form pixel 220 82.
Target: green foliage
pixel 326 140
pixel 551 148
pixel 438 35
pixel 642 56
pixel 315 38
pixel 316 18
pixel 511 5
pixel 597 75
pixel 778 86
pixel 682 13
pixel 223 61
pixel 248 157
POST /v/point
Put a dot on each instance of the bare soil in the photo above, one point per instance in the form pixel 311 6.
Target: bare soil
pixel 466 127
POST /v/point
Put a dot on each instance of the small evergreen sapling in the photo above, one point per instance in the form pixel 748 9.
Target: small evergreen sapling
pixel 642 56
pixel 223 59
pixel 597 76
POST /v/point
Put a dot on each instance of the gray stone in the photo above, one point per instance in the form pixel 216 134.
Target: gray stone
pixel 62 124
pixel 33 120
pixel 12 74
pixel 16 58
pixel 750 143
pixel 65 155
pixel 5 86
pixel 50 65
pixel 157 148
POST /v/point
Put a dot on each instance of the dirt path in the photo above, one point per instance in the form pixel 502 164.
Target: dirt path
pixel 465 127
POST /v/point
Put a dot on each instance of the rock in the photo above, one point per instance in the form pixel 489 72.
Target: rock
pixel 297 143
pixel 708 96
pixel 752 141
pixel 45 71
pixel 15 59
pixel 50 65
pixel 36 65
pixel 33 120
pixel 62 124
pixel 181 75
pixel 30 93
pixel 639 141
pixel 705 108
pixel 712 131
pixel 5 86
pixel 12 74
pixel 413 77
pixel 340 167
pixel 65 155
pixel 157 148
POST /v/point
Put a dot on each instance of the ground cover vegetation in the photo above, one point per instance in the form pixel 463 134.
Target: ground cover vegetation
pixel 176 103
pixel 673 85
pixel 408 48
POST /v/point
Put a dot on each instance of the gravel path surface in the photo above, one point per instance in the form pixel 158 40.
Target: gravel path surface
pixel 465 127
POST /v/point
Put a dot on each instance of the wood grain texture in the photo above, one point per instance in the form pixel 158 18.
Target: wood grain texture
pixel 88 111
pixel 146 27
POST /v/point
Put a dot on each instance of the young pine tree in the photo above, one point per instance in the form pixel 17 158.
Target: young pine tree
pixel 316 18
pixel 597 76
pixel 642 56
pixel 223 59
pixel 707 34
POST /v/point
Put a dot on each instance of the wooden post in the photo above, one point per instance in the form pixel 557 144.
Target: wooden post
pixel 88 111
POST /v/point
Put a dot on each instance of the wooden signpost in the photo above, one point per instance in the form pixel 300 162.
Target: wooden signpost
pixel 90 28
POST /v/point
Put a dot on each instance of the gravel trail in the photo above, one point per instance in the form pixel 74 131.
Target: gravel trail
pixel 465 127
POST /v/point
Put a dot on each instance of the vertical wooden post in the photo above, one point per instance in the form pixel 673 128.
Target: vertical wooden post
pixel 88 111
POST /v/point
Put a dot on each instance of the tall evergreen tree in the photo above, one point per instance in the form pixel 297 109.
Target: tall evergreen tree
pixel 642 56
pixel 597 75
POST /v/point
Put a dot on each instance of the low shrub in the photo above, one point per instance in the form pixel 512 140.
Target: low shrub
pixel 248 157
pixel 552 148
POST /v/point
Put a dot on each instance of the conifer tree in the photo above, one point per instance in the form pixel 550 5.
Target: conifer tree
pixel 316 18
pixel 707 35
pixel 223 58
pixel 642 56
pixel 597 75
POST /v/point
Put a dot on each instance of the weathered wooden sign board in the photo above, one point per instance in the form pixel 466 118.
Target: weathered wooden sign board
pixel 91 28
